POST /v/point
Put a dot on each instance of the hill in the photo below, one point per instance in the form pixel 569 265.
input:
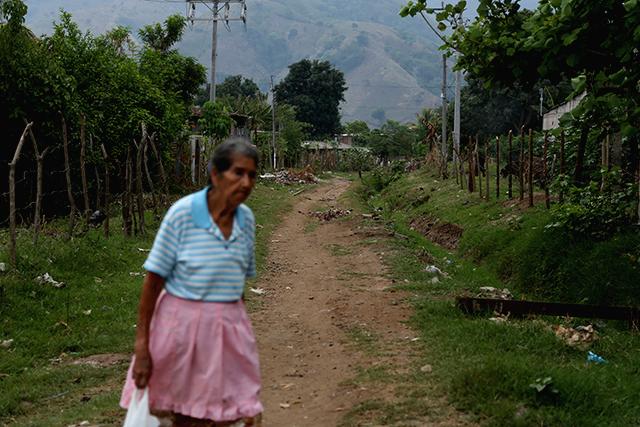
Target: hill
pixel 390 63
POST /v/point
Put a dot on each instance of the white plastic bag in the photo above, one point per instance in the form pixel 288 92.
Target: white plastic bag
pixel 138 414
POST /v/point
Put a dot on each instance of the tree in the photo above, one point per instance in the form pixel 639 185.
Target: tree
pixel 393 140
pixel 216 121
pixel 592 44
pixel 161 38
pixel 356 127
pixel 238 87
pixel 315 88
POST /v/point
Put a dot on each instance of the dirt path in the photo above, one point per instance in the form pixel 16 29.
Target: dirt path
pixel 325 320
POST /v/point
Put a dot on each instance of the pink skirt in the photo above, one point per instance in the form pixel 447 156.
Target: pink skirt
pixel 205 361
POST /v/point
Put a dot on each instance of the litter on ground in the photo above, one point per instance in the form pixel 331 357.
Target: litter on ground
pixel 330 214
pixel 580 336
pixel 495 293
pixel 291 176
pixel 46 279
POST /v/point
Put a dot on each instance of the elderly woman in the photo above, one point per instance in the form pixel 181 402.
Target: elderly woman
pixel 194 346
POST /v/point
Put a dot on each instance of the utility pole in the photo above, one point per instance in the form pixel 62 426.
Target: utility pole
pixel 214 53
pixel 274 158
pixel 215 7
pixel 456 119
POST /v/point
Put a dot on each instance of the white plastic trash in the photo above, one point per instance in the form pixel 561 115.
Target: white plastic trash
pixel 138 414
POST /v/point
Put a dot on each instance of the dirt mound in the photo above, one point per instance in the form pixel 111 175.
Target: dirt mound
pixel 444 234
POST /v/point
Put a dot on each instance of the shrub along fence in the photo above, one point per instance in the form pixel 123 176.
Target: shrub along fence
pixel 518 165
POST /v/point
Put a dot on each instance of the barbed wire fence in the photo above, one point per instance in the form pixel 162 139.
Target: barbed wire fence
pixel 41 187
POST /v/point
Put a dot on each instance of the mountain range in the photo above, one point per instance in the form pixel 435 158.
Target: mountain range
pixel 391 64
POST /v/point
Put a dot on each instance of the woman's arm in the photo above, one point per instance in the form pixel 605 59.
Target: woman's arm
pixel 151 288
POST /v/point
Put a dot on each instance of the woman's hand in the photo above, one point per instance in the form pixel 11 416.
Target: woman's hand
pixel 142 367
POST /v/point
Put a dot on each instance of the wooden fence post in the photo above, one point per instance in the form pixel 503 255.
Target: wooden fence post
pixel 139 189
pixel 126 196
pixel 497 167
pixel 12 195
pixel 530 172
pixel 521 165
pixel 67 172
pixel 83 172
pixel 561 195
pixel 486 168
pixel 477 155
pixel 97 174
pixel 163 177
pixel 106 190
pixel 39 183
pixel 510 165
pixel 547 197
pixel 152 187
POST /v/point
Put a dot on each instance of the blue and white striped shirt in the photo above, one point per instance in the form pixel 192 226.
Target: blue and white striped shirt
pixel 195 259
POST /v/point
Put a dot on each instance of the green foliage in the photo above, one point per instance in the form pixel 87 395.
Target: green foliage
pixel 238 87
pixel 216 121
pixel 392 140
pixel 292 133
pixel 559 41
pixel 315 88
pixel 161 38
pixel 104 79
pixel 358 159
pixel 381 177
pixel 590 211
pixel 356 127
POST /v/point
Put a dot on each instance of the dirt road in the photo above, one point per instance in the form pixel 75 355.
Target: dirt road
pixel 326 322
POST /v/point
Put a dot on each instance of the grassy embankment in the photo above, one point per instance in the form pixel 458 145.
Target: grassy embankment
pixel 95 313
pixel 485 368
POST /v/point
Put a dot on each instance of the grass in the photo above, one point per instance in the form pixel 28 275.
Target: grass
pixel 46 323
pixel 485 369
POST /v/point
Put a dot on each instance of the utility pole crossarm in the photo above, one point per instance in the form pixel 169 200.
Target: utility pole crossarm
pixel 215 7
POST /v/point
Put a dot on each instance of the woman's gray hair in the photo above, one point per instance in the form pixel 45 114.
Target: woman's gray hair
pixel 222 157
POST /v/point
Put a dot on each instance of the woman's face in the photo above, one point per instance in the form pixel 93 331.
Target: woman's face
pixel 235 184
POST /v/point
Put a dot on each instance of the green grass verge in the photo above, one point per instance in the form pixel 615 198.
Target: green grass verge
pixel 484 368
pixel 516 244
pixel 94 313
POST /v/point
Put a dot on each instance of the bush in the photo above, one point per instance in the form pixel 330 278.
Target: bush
pixel 358 159
pixel 595 212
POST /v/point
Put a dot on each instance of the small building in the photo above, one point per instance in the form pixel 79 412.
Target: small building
pixel 327 154
pixel 551 120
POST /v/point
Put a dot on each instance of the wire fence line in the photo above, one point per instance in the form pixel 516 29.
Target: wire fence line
pixel 86 188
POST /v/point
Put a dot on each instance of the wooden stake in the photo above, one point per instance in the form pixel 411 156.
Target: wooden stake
pixel 510 166
pixel 472 171
pixel 98 180
pixel 477 154
pixel 106 190
pixel 126 196
pixel 149 180
pixel 83 172
pixel 530 173
pixel 547 197
pixel 486 169
pixel 561 195
pixel 67 173
pixel 139 189
pixel 39 184
pixel 521 166
pixel 12 195
pixel 497 167
pixel 163 177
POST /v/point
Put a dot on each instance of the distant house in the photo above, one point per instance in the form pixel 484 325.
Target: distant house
pixel 551 120
pixel 328 154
